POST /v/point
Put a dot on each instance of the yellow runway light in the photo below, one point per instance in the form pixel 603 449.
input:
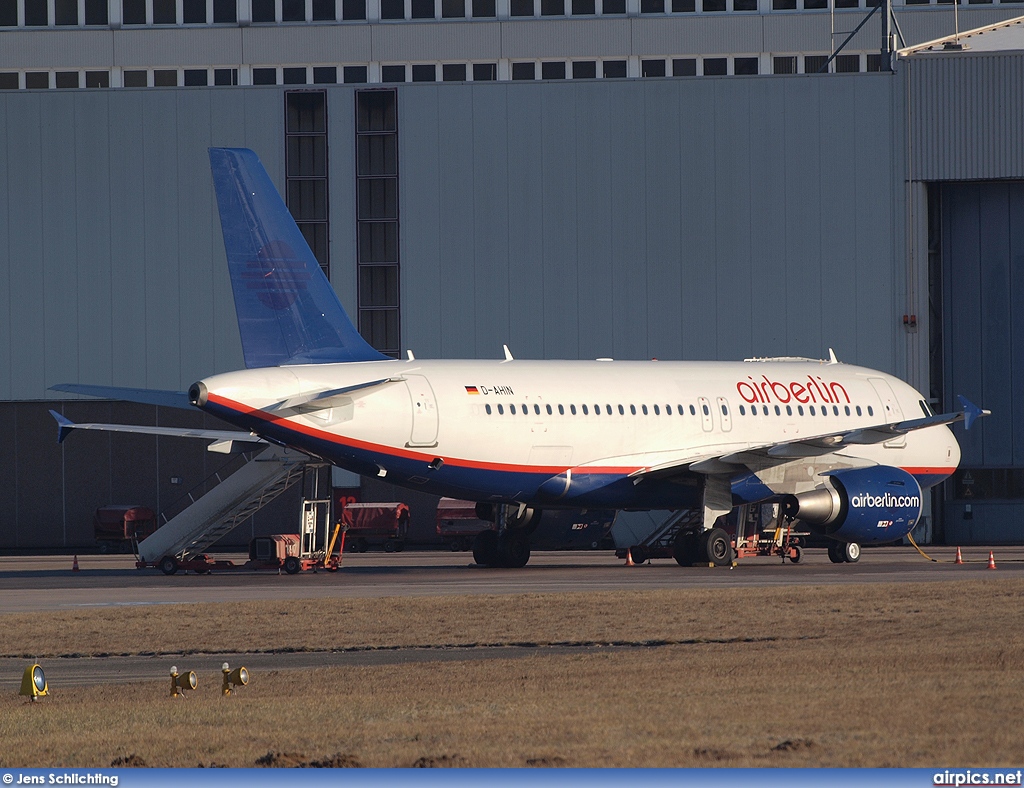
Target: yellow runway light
pixel 182 681
pixel 33 683
pixel 238 677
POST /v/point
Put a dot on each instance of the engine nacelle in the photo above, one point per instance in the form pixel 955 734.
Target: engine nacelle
pixel 863 505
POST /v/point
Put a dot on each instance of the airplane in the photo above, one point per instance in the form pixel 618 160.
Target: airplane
pixel 844 449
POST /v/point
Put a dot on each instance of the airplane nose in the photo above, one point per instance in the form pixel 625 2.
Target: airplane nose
pixel 197 394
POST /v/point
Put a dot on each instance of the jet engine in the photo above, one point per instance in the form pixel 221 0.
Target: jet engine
pixel 863 505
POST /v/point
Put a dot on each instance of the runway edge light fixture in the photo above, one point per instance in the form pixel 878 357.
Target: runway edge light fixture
pixel 182 681
pixel 238 677
pixel 33 683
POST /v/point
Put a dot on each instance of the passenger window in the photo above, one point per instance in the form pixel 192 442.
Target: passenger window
pixel 725 410
pixel 512 409
pixel 679 410
pixel 800 409
pixel 561 411
pixel 858 410
pixel 644 409
pixel 668 410
pixel 871 411
pixel 693 411
pixel 622 411
pixel 657 411
pixel 572 409
pixel 835 410
pixel 488 409
pixel 536 409
pixel 847 410
pixel 609 409
pixel 812 410
pixel 778 411
pixel 743 411
pixel 548 409
pixel 585 411
pixel 789 410
pixel 526 410
pixel 501 410
pixel 705 409
pixel 632 409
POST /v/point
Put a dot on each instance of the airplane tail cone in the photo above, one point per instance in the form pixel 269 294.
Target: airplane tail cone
pixel 991 560
pixel 629 557
pixel 74 565
pixel 959 558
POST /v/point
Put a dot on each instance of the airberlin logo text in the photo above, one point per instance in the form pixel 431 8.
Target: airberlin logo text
pixel 885 501
pixel 811 390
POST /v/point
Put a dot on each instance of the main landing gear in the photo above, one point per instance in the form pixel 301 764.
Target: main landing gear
pixel 844 552
pixel 703 547
pixel 509 545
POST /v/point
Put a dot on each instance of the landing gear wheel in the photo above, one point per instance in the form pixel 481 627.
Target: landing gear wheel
pixel 717 547
pixel 168 565
pixel 796 554
pixel 513 550
pixel 835 553
pixel 485 548
pixel 851 552
pixel 638 553
pixel 292 565
pixel 686 549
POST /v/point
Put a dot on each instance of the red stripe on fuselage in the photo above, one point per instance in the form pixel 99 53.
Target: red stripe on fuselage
pixel 394 451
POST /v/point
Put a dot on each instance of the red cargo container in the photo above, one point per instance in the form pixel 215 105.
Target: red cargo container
pixel 115 526
pixel 375 524
pixel 458 524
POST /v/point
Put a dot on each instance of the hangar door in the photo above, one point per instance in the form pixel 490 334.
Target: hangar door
pixel 978 351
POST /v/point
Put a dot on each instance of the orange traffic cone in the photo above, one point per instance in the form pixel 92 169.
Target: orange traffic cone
pixel 74 564
pixel 959 558
pixel 991 560
pixel 629 557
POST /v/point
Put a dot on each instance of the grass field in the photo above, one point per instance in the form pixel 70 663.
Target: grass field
pixel 868 675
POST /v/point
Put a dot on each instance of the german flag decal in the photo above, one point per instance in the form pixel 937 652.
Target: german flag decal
pixel 472 390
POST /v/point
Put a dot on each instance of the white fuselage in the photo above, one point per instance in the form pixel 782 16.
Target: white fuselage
pixel 510 430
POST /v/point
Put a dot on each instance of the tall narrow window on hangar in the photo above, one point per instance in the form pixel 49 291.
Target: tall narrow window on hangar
pixel 306 168
pixel 377 217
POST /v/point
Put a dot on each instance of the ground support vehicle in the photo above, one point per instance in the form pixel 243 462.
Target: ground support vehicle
pixel 274 552
pixel 369 524
pixel 754 530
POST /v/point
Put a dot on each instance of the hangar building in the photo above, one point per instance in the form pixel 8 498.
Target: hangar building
pixel 470 174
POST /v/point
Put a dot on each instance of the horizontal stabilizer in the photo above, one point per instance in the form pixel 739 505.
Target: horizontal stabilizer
pixel 287 311
pixel 167 399
pixel 65 426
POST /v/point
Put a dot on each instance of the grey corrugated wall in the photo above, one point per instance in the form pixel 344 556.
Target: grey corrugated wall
pixel 700 218
pixel 966 115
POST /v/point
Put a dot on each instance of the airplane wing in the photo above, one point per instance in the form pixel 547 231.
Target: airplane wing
pixel 222 439
pixel 168 399
pixel 760 457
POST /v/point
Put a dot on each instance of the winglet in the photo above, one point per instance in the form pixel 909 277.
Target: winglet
pixel 971 411
pixel 64 426
pixel 508 353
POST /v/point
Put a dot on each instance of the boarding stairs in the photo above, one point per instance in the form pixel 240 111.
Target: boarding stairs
pixel 659 540
pixel 224 507
pixel 662 539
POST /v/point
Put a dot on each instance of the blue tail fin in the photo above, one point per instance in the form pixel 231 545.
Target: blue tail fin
pixel 288 313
